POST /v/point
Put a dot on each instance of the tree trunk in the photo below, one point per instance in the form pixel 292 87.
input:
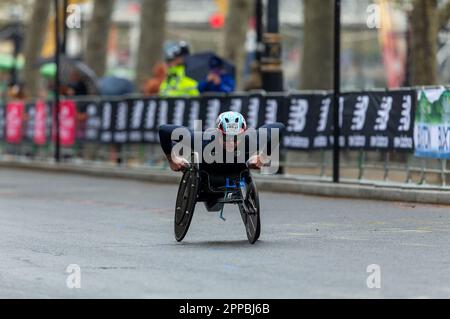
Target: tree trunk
pixel 233 47
pixel 153 25
pixel 35 37
pixel 424 42
pixel 318 46
pixel 98 33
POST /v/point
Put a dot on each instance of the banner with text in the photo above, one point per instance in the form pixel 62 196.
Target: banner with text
pixel 432 125
pixel 368 120
pixel 377 120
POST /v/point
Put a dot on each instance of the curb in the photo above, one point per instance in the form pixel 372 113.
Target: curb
pixel 399 193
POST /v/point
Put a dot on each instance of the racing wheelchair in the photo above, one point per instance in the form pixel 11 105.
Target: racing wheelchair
pixel 230 184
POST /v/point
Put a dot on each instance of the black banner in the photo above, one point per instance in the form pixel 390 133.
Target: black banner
pixel 89 120
pixel 309 122
pixel 378 120
pixel 369 120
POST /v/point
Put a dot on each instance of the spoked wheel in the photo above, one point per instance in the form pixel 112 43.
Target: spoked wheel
pixel 250 213
pixel 185 205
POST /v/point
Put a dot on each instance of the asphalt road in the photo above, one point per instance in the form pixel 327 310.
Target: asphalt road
pixel 120 234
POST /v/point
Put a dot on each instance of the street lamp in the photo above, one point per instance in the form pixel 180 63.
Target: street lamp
pixel 272 74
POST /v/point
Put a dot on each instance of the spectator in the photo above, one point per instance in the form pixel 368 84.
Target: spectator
pixel 76 85
pixel 217 79
pixel 176 82
pixel 16 92
pixel 152 85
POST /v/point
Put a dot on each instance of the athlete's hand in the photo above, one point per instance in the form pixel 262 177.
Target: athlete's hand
pixel 178 164
pixel 255 162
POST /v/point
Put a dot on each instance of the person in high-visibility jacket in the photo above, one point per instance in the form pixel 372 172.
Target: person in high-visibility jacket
pixel 177 84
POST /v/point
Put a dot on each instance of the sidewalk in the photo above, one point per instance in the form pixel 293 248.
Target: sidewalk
pixel 288 184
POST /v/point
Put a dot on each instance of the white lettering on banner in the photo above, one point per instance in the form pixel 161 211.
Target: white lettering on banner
pixel 271 111
pixel 162 114
pixel 253 112
pixel 323 117
pixel 297 115
pixel 135 136
pixel 212 112
pixel 67 122
pixel 403 142
pixel 194 113
pixel 122 112
pixel 320 141
pixel 423 140
pixel 30 127
pixel 379 141
pixel 149 123
pixel 121 123
pixel 296 142
pixel 120 137
pixel 341 140
pixel 357 141
pixel 405 121
pixel 150 137
pixel 444 139
pixel 359 115
pixel 236 105
pixel 136 115
pixel 106 137
pixel 178 115
pixel 93 123
pixel 341 111
pixel 106 116
pixel 382 120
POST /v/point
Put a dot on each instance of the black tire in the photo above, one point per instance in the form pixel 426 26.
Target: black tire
pixel 185 204
pixel 250 213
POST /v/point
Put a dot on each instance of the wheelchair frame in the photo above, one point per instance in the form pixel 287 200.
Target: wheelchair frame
pixel 195 186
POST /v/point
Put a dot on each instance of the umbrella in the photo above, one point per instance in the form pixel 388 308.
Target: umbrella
pixel 67 66
pixel 115 86
pixel 197 65
pixel 7 62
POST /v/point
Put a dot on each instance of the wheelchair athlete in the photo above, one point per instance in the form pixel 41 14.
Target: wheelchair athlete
pixel 230 128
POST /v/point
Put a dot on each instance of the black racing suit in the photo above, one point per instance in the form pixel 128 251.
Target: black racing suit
pixel 220 171
pixel 167 144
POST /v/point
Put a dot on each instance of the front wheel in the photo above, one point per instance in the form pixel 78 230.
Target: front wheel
pixel 185 204
pixel 250 213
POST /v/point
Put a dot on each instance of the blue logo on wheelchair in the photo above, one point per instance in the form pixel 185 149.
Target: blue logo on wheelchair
pixel 235 185
pixel 229 195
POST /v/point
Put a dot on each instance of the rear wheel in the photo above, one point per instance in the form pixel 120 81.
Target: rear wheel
pixel 250 213
pixel 185 204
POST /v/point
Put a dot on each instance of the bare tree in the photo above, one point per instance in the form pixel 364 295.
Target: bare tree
pixel 317 63
pixel 233 47
pixel 34 40
pixel 426 19
pixel 153 25
pixel 98 34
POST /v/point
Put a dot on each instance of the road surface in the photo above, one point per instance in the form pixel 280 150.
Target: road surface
pixel 120 235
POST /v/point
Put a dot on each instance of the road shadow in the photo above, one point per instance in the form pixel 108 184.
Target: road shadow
pixel 220 244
